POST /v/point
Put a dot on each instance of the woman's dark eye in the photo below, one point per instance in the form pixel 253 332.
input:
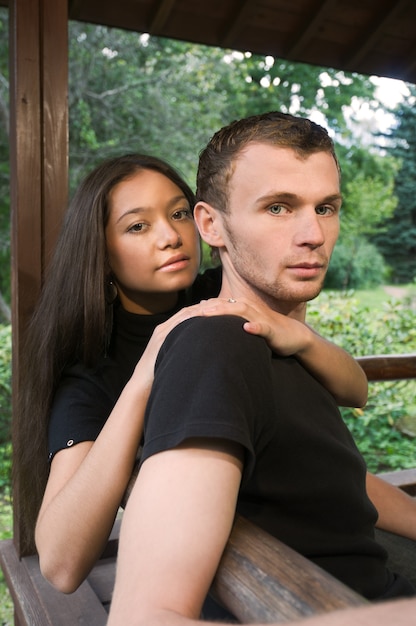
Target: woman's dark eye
pixel 137 228
pixel 182 214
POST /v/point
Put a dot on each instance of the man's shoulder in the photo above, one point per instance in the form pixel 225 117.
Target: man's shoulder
pixel 210 326
pixel 217 335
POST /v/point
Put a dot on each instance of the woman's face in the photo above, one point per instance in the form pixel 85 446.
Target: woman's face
pixel 152 242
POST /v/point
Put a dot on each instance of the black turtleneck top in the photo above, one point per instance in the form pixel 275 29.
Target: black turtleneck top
pixel 86 396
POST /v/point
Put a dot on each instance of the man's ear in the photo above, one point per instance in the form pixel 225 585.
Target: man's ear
pixel 209 224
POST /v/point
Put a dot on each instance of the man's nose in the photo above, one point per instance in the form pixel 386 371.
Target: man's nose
pixel 310 230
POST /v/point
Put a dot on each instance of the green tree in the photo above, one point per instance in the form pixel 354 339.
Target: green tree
pixel 131 91
pixel 397 241
pixel 368 191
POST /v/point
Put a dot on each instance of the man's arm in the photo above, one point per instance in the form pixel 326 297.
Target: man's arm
pixel 175 527
pixel 396 509
pixel 176 524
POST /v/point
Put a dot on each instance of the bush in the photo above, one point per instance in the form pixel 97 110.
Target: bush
pixel 5 383
pixel 390 330
pixel 357 268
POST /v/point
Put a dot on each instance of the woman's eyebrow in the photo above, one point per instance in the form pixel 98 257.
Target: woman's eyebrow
pixel 146 209
pixel 133 211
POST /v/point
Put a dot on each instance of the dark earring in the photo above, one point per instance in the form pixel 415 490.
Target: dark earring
pixel 111 292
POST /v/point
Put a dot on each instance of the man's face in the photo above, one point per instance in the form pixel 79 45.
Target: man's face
pixel 281 225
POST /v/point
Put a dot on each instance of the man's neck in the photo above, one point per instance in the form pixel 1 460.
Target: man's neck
pixel 295 310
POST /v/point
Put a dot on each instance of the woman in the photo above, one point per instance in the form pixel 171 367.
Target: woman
pixel 126 263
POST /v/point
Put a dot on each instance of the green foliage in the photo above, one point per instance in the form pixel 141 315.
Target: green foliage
pixel 363 331
pixel 355 264
pixel 6 604
pixel 5 470
pixel 5 383
pixel 368 191
pixel 397 240
pixel 5 410
pixel 370 200
pixel 131 91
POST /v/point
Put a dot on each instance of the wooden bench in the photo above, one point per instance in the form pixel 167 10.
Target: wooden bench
pixel 259 578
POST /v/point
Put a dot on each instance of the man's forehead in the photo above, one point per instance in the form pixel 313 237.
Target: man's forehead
pixel 254 149
pixel 265 157
pixel 268 169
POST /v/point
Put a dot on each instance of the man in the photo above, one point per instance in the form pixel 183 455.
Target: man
pixel 231 426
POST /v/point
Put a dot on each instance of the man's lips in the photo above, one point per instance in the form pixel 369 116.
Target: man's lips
pixel 306 270
pixel 177 262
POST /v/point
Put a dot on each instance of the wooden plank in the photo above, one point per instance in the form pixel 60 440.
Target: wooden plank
pixel 388 366
pixel 405 479
pixel 81 607
pixel 39 162
pixel 37 603
pixel 25 182
pixel 54 35
pixel 261 579
pixel 101 580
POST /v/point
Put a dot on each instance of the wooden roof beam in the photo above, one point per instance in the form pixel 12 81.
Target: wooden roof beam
pixel 370 36
pixel 239 19
pixel 161 16
pixel 309 29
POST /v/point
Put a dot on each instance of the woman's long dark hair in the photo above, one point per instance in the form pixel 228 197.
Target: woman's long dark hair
pixel 73 320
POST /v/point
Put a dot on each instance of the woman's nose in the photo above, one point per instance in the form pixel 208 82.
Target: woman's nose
pixel 169 237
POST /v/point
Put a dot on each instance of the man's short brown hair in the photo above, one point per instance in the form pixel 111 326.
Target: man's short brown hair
pixel 274 128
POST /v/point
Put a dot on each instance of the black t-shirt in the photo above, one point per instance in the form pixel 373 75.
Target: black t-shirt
pixel 304 479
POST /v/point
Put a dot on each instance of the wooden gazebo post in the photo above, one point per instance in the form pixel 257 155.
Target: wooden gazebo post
pixel 39 159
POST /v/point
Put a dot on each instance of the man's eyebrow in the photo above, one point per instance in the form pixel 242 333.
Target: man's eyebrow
pixel 281 196
pixel 336 197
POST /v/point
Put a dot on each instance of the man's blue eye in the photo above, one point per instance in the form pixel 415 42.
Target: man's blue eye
pixel 323 210
pixel 276 209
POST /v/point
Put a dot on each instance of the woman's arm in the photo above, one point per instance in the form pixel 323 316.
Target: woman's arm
pixel 337 370
pixel 87 482
pixel 396 509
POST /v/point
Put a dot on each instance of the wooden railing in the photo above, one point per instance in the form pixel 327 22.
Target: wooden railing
pixel 389 367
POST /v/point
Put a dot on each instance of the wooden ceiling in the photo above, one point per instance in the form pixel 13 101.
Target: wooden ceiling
pixel 365 36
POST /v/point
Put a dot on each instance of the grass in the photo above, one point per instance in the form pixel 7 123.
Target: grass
pixel 375 298
pixel 372 298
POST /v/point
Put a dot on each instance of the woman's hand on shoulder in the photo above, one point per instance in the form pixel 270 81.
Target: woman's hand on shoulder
pixel 145 367
pixel 285 335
